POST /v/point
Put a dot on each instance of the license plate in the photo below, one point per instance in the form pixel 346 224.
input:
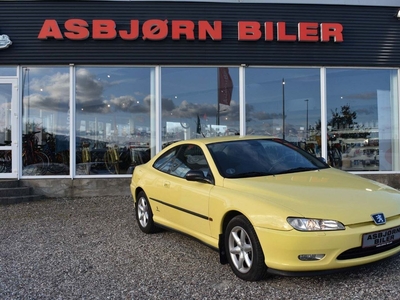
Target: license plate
pixel 381 238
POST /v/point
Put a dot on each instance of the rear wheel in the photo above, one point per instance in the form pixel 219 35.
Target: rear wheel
pixel 244 251
pixel 144 214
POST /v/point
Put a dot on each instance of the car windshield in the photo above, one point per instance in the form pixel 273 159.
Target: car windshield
pixel 261 157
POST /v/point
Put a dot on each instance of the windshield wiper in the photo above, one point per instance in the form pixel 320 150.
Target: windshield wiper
pixel 250 174
pixel 298 169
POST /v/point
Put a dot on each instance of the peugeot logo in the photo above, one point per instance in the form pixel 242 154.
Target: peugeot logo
pixel 379 218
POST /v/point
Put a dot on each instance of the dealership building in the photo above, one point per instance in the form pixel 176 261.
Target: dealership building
pixel 90 89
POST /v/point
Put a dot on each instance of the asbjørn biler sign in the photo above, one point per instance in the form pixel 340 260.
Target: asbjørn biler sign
pixel 157 30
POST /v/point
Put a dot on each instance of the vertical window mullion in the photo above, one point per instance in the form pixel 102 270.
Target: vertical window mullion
pixel 157 104
pixel 324 120
pixel 242 100
pixel 72 119
pixel 396 134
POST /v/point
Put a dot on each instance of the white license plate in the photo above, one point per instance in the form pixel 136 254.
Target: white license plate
pixel 381 238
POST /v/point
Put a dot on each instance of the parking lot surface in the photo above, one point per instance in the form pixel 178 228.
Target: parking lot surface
pixel 91 248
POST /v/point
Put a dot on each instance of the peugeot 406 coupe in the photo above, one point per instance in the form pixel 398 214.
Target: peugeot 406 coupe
pixel 266 206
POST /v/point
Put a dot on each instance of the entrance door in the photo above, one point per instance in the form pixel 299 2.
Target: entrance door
pixel 8 128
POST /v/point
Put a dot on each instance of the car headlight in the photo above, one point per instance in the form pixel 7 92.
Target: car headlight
pixel 304 224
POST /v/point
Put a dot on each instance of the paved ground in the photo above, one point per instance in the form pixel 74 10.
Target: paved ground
pixel 91 248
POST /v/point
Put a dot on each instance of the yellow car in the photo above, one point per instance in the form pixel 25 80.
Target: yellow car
pixel 267 206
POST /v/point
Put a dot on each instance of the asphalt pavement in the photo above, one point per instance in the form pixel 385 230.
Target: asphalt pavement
pixel 92 248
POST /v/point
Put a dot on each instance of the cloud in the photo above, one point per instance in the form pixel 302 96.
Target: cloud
pixel 89 91
pixel 167 105
pixel 129 104
pixel 262 115
pixel 190 110
pixel 51 92
pixel 369 110
pixel 48 92
pixel 362 96
pixel 90 95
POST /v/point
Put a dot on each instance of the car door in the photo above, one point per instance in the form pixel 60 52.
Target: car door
pixel 162 193
pixel 193 198
pixel 185 203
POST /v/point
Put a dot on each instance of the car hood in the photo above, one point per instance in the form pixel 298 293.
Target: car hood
pixel 325 194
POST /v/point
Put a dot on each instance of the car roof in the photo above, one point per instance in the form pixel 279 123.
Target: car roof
pixel 218 139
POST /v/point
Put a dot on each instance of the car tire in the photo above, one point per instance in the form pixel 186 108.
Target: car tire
pixel 144 214
pixel 243 250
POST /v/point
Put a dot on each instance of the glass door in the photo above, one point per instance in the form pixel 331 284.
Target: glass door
pixel 8 128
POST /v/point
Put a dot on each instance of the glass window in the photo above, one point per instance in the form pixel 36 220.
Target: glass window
pixel 180 160
pixel 293 93
pixel 8 71
pixel 45 128
pixel 5 161
pixel 362 119
pixel 5 114
pixel 164 163
pixel 261 157
pixel 113 129
pixel 199 102
pixel 6 127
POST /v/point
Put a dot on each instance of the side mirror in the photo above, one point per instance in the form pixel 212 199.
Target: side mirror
pixel 196 175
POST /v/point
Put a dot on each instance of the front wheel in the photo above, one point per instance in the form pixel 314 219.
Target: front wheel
pixel 144 214
pixel 244 252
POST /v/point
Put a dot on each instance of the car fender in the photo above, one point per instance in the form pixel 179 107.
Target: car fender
pixel 260 212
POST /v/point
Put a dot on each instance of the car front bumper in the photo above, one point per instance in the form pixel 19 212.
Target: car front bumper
pixel 282 248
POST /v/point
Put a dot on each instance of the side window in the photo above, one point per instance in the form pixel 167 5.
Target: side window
pixel 196 160
pixel 189 157
pixel 180 160
pixel 165 162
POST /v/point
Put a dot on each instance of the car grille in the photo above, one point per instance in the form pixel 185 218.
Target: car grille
pixel 362 252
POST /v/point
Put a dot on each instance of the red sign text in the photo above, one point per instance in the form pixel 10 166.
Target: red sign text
pixel 157 30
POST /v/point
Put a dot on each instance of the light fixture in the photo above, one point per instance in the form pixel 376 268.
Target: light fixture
pixel 398 14
pixel 311 257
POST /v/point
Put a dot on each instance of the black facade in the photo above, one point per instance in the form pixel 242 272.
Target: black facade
pixel 43 42
pixel 371 34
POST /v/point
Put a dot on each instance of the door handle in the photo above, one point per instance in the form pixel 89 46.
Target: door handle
pixel 167 184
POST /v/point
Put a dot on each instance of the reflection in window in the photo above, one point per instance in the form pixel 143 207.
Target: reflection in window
pixel 199 102
pixel 164 163
pixel 5 114
pixel 362 119
pixel 8 71
pixel 294 93
pixel 5 161
pixel 45 148
pixel 112 119
pixel 181 159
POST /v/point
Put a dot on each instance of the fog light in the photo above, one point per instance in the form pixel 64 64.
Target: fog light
pixel 311 257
